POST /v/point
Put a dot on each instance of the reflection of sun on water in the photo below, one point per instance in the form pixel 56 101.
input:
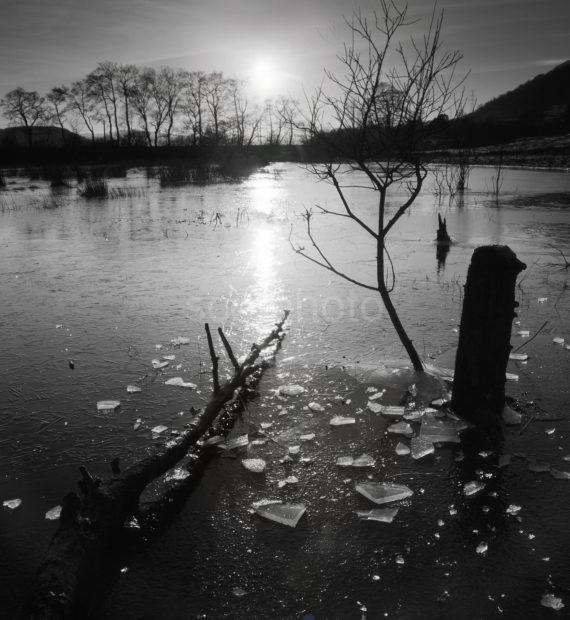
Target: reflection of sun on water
pixel 264 194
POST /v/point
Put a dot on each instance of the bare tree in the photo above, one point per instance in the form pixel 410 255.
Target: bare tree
pixel 24 106
pixel 126 78
pixel 170 85
pixel 216 99
pixel 58 100
pixel 374 115
pixel 84 105
pixel 194 104
pixel 287 109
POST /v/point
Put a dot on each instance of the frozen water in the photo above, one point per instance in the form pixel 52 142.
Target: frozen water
pixel 159 429
pixel 513 509
pixel 482 548
pixel 413 416
pixel 179 381
pixel 291 390
pixel 266 425
pixel 384 515
pixel 365 460
pixel 133 389
pixel 180 340
pixel 383 493
pixel 236 442
pixel 170 358
pixel 108 405
pixel 53 513
pixel 11 503
pixel 286 514
pixel 420 448
pixel 339 420
pixel 179 473
pixel 345 461
pixel 257 466
pixel 472 488
pixel 374 407
pixel 294 449
pixel 519 357
pixel 157 364
pixel 551 601
pixel 523 333
pixel 559 475
pixel 315 407
pixel 440 430
pixel 401 428
pixel 214 440
pixel 558 340
pixel 392 410
pixel 510 416
pixel 308 437
pixel 538 468
pixel 402 449
pixel 510 376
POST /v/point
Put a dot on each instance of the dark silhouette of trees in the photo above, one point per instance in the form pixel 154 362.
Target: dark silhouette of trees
pixel 57 107
pixel 25 107
pixel 374 114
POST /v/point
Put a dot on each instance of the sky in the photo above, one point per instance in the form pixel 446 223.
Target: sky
pixel 281 45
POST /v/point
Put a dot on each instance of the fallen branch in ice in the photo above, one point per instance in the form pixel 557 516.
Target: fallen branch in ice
pixel 91 524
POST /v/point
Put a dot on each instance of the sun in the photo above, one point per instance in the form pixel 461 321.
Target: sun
pixel 265 77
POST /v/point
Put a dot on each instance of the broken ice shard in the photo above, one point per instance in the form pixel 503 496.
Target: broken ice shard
pixel 315 407
pixel 392 410
pixel 558 340
pixel 291 390
pixel 420 448
pixel 53 513
pixel 339 420
pixel 257 466
pixel 374 407
pixel 157 364
pixel 383 493
pixel 384 515
pixel 236 442
pixel 365 460
pixel 133 389
pixel 345 461
pixel 286 514
pixel 108 405
pixel 402 449
pixel 551 601
pixel 12 503
pixel 519 357
pixel 179 381
pixel 159 429
pixel 472 488
pixel 440 430
pixel 401 428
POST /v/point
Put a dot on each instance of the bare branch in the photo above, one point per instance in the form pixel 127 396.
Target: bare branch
pixel 214 358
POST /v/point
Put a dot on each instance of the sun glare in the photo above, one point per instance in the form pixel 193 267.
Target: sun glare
pixel 265 78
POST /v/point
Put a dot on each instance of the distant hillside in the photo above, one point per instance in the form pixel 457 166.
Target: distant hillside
pixel 42 137
pixel 543 101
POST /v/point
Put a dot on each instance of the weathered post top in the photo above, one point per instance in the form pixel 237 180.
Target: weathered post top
pixel 485 334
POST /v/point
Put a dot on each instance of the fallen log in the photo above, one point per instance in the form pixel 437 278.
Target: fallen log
pixel 91 523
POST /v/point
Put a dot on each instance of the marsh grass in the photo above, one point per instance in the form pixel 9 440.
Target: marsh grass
pixel 2 180
pixel 95 188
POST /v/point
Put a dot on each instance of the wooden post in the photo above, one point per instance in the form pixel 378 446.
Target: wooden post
pixel 485 333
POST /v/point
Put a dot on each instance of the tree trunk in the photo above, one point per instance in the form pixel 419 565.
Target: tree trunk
pixel 485 333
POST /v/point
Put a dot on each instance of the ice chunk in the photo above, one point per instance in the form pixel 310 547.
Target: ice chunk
pixel 400 559
pixel 180 340
pixel 485 454
pixel 364 460
pixel 377 395
pixel 291 390
pixel 413 416
pixel 108 405
pixel 306 460
pixel 159 429
pixel 307 437
pixel 266 425
pixel 12 503
pixel 519 357
pixel 170 358
pixel 214 440
pixel 374 407
pixel 558 340
pixel 294 450
pixel 286 514
pixel 551 601
pixel 559 475
pixel 53 513
pixel 440 430
pixel 340 420
pixel 523 333
pixel 384 515
pixel 236 442
pixel 401 428
pixel 392 410
pixel 472 488
pixel 138 423
pixel 133 389
pixel 542 300
pixel 420 448
pixel 179 381
pixel 402 449
pixel 344 461
pixel 257 466
pixel 315 407
pixel 383 493
pixel 513 509
pixel 179 473
pixel 239 592
pixel 510 416
pixel 482 548
pixel 157 364
pixel 510 376
pixel 550 431
pixel 538 468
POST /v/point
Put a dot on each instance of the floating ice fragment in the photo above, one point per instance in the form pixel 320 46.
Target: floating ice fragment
pixel 538 468
pixel 440 430
pixel 401 428
pixel 374 407
pixel 179 382
pixel 12 503
pixel 236 442
pixel 420 448
pixel 523 333
pixel 485 453
pixel 169 358
pixel 482 548
pixel 339 420
pixel 550 431
pixel 294 450
pixel 307 437
pixel 159 429
pixel 180 340
pixel 371 389
pixel 510 416
pixel 559 475
pixel 438 402
pixel 133 389
pixel 365 460
pixel 384 515
pixel 510 376
pixel 402 449
pixel 137 424
pixel 377 395
pixel 157 364
pixel 344 461
pixel 291 390
pixel 257 466
pixel 558 340
pixel 381 493
pixel 392 410
pixel 214 440
pixel 542 300
pixel 551 601
pixel 473 487
pixel 266 425
pixel 413 416
pixel 315 407
pixel 306 460
pixel 53 513
pixel 566 458
pixel 519 357
pixel 400 559
pixel 286 514
pixel 179 473
pixel 239 592
pixel 108 405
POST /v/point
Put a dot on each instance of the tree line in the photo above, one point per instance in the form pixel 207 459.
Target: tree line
pixel 130 105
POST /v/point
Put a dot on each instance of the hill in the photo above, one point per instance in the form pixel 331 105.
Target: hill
pixel 42 137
